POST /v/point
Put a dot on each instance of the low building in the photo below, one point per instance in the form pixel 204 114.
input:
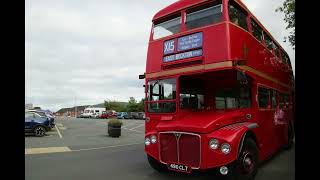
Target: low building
pixel 72 112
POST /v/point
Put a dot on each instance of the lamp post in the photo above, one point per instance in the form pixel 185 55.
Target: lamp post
pixel 75 107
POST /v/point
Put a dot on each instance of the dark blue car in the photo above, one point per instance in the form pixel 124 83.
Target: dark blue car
pixel 36 123
pixel 46 113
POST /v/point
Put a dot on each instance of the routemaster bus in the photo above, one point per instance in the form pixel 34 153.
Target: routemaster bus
pixel 219 90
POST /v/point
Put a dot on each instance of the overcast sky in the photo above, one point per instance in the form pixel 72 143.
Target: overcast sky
pixel 86 51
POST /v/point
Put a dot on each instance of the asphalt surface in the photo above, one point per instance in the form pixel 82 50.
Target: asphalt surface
pixel 95 156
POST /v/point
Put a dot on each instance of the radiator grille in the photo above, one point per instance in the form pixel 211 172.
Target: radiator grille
pixel 180 147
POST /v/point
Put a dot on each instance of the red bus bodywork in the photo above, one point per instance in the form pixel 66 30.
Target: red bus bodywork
pixel 226 49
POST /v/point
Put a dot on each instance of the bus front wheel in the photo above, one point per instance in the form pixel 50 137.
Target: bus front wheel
pixel 246 166
pixel 155 164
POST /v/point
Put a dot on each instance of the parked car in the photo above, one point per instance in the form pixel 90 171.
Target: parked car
pixel 95 115
pixel 45 114
pixel 122 115
pixel 135 115
pixel 36 124
pixel 104 115
pixel 141 115
pixel 132 115
pixel 92 112
pixel 112 114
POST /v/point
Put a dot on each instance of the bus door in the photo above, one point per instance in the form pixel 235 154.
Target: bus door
pixel 266 121
pixel 282 118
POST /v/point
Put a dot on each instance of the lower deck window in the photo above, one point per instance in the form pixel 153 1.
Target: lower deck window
pixel 263 97
pixel 162 107
pixel 216 90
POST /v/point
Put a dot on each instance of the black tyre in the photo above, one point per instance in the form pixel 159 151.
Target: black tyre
pixel 39 131
pixel 246 166
pixel 290 137
pixel 156 165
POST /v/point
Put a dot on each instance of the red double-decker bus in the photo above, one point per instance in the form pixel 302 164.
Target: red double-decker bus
pixel 219 90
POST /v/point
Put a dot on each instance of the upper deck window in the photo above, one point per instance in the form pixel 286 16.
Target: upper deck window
pixel 204 15
pixel 276 50
pixel 284 58
pixel 237 16
pixel 167 28
pixel 256 30
pixel 269 42
pixel 288 61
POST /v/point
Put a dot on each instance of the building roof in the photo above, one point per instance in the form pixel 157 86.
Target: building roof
pixel 79 108
pixel 101 105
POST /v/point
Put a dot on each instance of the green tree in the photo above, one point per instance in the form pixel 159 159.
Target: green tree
pixel 107 105
pixel 133 105
pixel 288 8
pixel 141 105
pixel 115 105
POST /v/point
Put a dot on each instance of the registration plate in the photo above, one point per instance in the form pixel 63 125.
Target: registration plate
pixel 179 167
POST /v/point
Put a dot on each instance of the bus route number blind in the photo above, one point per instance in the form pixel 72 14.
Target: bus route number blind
pixel 191 42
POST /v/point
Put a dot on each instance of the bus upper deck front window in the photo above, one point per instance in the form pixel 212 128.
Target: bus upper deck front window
pixel 162 95
pixel 204 15
pixel 166 28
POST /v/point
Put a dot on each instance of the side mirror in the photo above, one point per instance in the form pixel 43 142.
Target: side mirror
pixel 242 77
pixel 142 76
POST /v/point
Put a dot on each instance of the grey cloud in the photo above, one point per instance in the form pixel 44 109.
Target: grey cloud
pixel 89 51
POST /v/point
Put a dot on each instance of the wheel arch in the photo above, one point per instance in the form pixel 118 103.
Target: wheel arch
pixel 248 134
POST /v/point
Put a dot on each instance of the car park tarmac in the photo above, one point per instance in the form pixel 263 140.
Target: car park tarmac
pixel 86 152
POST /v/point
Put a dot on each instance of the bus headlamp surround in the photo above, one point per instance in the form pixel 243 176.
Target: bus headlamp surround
pixel 147 141
pixel 153 139
pixel 225 148
pixel 213 144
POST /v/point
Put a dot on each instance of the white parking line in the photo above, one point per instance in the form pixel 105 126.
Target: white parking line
pixel 48 150
pixel 88 149
pixel 137 126
pixel 128 124
pixel 58 131
pixel 132 130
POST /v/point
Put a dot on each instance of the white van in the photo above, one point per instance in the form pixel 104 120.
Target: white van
pixel 92 112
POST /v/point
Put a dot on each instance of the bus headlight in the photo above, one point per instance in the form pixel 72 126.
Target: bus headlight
pixel 147 142
pixel 225 148
pixel 153 139
pixel 213 143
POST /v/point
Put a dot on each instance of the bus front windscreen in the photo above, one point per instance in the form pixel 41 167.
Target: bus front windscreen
pixel 162 96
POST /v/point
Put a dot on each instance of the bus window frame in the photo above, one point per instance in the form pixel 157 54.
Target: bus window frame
pixel 162 101
pixel 201 7
pixel 236 5
pixel 272 90
pixel 166 18
pixel 250 20
pixel 269 100
pixel 269 88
